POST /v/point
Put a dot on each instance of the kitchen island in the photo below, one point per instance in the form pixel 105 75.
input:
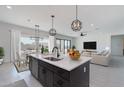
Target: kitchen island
pixel 63 72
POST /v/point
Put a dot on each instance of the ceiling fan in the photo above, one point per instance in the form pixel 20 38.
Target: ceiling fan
pixel 83 34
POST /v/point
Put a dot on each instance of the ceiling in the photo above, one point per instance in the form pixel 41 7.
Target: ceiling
pixel 101 18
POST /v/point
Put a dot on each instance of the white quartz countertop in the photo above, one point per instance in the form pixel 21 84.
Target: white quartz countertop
pixel 65 63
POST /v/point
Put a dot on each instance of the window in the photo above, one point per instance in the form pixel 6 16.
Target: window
pixel 63 45
pixel 29 44
pixel 43 42
pixel 66 45
pixel 69 44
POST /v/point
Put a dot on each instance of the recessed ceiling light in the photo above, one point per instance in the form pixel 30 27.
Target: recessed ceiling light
pixel 97 28
pixel 8 7
pixel 92 25
pixel 29 20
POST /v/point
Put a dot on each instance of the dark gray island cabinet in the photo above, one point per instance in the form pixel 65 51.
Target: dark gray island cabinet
pixel 52 76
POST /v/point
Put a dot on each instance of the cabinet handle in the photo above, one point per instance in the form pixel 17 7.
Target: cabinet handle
pixel 85 69
pixel 60 82
pixel 43 71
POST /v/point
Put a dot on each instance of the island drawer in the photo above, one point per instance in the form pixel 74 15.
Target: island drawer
pixel 61 72
pixel 60 82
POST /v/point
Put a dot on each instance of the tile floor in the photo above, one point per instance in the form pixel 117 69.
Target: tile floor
pixel 8 74
pixel 99 76
pixel 108 76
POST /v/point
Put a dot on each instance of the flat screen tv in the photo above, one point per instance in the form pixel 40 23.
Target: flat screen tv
pixel 90 45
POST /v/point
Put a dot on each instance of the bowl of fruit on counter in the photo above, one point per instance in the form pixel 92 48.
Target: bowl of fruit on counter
pixel 74 54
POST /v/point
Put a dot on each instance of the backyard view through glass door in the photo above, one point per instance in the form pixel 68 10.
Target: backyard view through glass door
pixel 63 45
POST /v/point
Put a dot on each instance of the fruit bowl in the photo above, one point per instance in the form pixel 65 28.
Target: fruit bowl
pixel 74 55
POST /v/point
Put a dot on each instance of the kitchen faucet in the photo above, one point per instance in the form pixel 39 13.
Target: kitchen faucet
pixel 57 51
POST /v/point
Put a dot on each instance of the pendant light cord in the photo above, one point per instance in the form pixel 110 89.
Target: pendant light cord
pixel 52 20
pixel 76 11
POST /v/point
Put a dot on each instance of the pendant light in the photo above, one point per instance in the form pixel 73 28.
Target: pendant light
pixel 76 24
pixel 52 31
pixel 36 34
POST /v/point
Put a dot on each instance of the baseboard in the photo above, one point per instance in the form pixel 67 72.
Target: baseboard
pixel 100 64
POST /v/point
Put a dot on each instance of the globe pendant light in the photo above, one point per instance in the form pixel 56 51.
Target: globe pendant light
pixel 52 31
pixel 76 24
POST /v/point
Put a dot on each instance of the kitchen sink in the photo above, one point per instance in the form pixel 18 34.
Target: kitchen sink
pixel 52 58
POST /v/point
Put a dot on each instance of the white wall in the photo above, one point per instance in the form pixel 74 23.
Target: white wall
pixel 123 43
pixel 5 41
pixel 5 36
pixel 103 40
pixel 117 45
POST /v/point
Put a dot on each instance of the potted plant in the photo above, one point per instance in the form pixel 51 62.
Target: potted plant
pixel 73 47
pixel 42 49
pixel 46 50
pixel 1 55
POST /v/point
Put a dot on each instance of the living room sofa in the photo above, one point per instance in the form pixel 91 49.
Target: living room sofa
pixel 102 58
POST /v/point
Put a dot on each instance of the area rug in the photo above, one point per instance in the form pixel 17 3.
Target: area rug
pixel 20 83
pixel 22 67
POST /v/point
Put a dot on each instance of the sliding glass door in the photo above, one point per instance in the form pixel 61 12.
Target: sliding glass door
pixel 63 44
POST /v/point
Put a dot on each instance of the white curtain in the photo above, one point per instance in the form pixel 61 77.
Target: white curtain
pixel 15 45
